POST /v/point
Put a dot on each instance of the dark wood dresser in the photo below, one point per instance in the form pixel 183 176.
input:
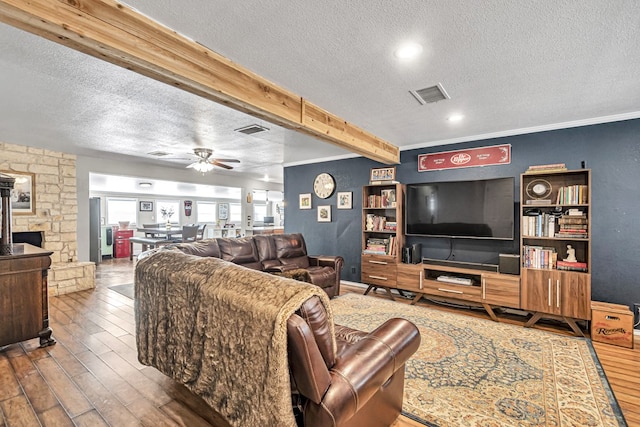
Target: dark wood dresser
pixel 24 295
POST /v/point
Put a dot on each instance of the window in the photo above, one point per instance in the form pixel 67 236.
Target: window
pixel 119 209
pixel 259 212
pixel 169 206
pixel 206 212
pixel 235 214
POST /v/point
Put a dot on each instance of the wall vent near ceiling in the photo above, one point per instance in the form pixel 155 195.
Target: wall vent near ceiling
pixel 430 95
pixel 158 153
pixel 251 129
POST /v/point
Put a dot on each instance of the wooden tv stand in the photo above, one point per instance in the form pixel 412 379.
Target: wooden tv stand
pixel 487 288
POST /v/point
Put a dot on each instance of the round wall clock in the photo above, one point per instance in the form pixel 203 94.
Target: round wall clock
pixel 324 185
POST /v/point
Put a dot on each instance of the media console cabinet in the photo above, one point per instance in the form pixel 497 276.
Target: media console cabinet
pixel 487 288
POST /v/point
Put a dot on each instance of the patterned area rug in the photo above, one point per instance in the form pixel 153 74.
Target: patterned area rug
pixel 476 372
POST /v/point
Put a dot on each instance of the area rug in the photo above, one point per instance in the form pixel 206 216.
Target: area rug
pixel 476 372
pixel 126 290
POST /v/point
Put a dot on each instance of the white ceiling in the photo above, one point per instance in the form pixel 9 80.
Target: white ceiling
pixel 509 67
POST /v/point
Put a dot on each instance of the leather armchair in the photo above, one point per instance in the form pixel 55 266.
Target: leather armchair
pixel 360 382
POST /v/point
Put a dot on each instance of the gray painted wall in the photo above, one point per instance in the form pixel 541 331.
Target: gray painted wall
pixel 611 151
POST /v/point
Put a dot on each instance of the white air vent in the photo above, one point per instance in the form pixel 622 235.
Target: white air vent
pixel 251 129
pixel 158 153
pixel 429 95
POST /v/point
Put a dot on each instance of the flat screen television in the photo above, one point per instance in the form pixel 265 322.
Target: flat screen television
pixel 481 209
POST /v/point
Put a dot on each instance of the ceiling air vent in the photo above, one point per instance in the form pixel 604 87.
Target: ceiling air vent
pixel 251 129
pixel 430 95
pixel 158 153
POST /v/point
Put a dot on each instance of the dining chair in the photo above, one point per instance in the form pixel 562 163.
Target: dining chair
pixel 190 233
pixel 201 229
pixel 157 225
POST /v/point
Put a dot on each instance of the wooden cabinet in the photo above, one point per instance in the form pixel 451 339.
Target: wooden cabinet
pixel 382 235
pixel 379 270
pixel 501 289
pixel 24 295
pixel 555 240
pixel 560 293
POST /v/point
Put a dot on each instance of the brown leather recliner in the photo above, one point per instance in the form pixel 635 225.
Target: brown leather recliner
pixel 359 384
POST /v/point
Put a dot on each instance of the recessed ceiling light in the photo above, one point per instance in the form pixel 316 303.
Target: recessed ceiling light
pixel 408 51
pixel 455 118
pixel 145 184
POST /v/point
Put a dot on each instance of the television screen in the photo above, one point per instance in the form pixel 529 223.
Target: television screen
pixel 482 209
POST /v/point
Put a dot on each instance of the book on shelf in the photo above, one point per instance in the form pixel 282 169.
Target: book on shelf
pixel 572 266
pixel 541 225
pixel 538 202
pixel 573 195
pixel 553 167
pixel 383 182
pixel 375 222
pixel 539 257
pixel 390 226
pixel 572 220
pixel 378 246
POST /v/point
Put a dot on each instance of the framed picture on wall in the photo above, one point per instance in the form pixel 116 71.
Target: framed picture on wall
pixel 146 206
pixel 223 210
pixel 305 201
pixel 23 195
pixel 324 213
pixel 345 200
pixel 379 175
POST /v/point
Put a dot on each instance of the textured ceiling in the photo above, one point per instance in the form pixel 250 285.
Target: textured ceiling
pixel 509 67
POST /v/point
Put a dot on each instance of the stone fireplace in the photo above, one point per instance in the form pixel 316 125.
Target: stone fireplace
pixel 56 213
pixel 34 238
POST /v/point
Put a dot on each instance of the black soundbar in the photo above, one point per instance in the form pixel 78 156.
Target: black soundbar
pixel 461 264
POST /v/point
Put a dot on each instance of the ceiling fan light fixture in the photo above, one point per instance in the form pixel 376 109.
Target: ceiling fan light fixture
pixel 201 166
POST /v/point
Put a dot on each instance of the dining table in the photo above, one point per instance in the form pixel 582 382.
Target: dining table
pixel 163 232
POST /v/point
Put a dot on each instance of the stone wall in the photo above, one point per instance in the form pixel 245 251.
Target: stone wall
pixel 56 212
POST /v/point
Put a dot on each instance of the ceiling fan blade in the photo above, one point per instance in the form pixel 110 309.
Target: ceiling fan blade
pixel 227 160
pixel 222 165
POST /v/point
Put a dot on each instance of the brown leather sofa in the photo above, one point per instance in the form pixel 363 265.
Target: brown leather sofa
pixel 360 384
pixel 272 253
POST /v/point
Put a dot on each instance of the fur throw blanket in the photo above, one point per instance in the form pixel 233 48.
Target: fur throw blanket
pixel 220 329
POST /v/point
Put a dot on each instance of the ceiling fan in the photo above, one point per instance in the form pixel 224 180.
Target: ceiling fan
pixel 206 164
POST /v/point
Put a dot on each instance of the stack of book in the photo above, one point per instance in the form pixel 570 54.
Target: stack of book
pixel 573 195
pixel 390 226
pixel 377 246
pixel 572 266
pixel 539 257
pixel 573 226
pixel 554 167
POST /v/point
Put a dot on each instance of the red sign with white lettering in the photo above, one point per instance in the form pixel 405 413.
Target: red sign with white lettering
pixel 473 157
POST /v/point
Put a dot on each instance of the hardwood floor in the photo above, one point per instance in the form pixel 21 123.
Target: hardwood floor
pixel 91 377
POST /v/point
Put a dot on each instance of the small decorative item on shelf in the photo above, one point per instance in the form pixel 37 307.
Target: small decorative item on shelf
pixel 167 213
pixel 383 176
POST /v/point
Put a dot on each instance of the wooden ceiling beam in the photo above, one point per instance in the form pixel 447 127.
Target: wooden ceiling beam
pixel 114 32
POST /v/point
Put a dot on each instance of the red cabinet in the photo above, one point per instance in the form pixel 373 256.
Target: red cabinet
pixel 121 243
